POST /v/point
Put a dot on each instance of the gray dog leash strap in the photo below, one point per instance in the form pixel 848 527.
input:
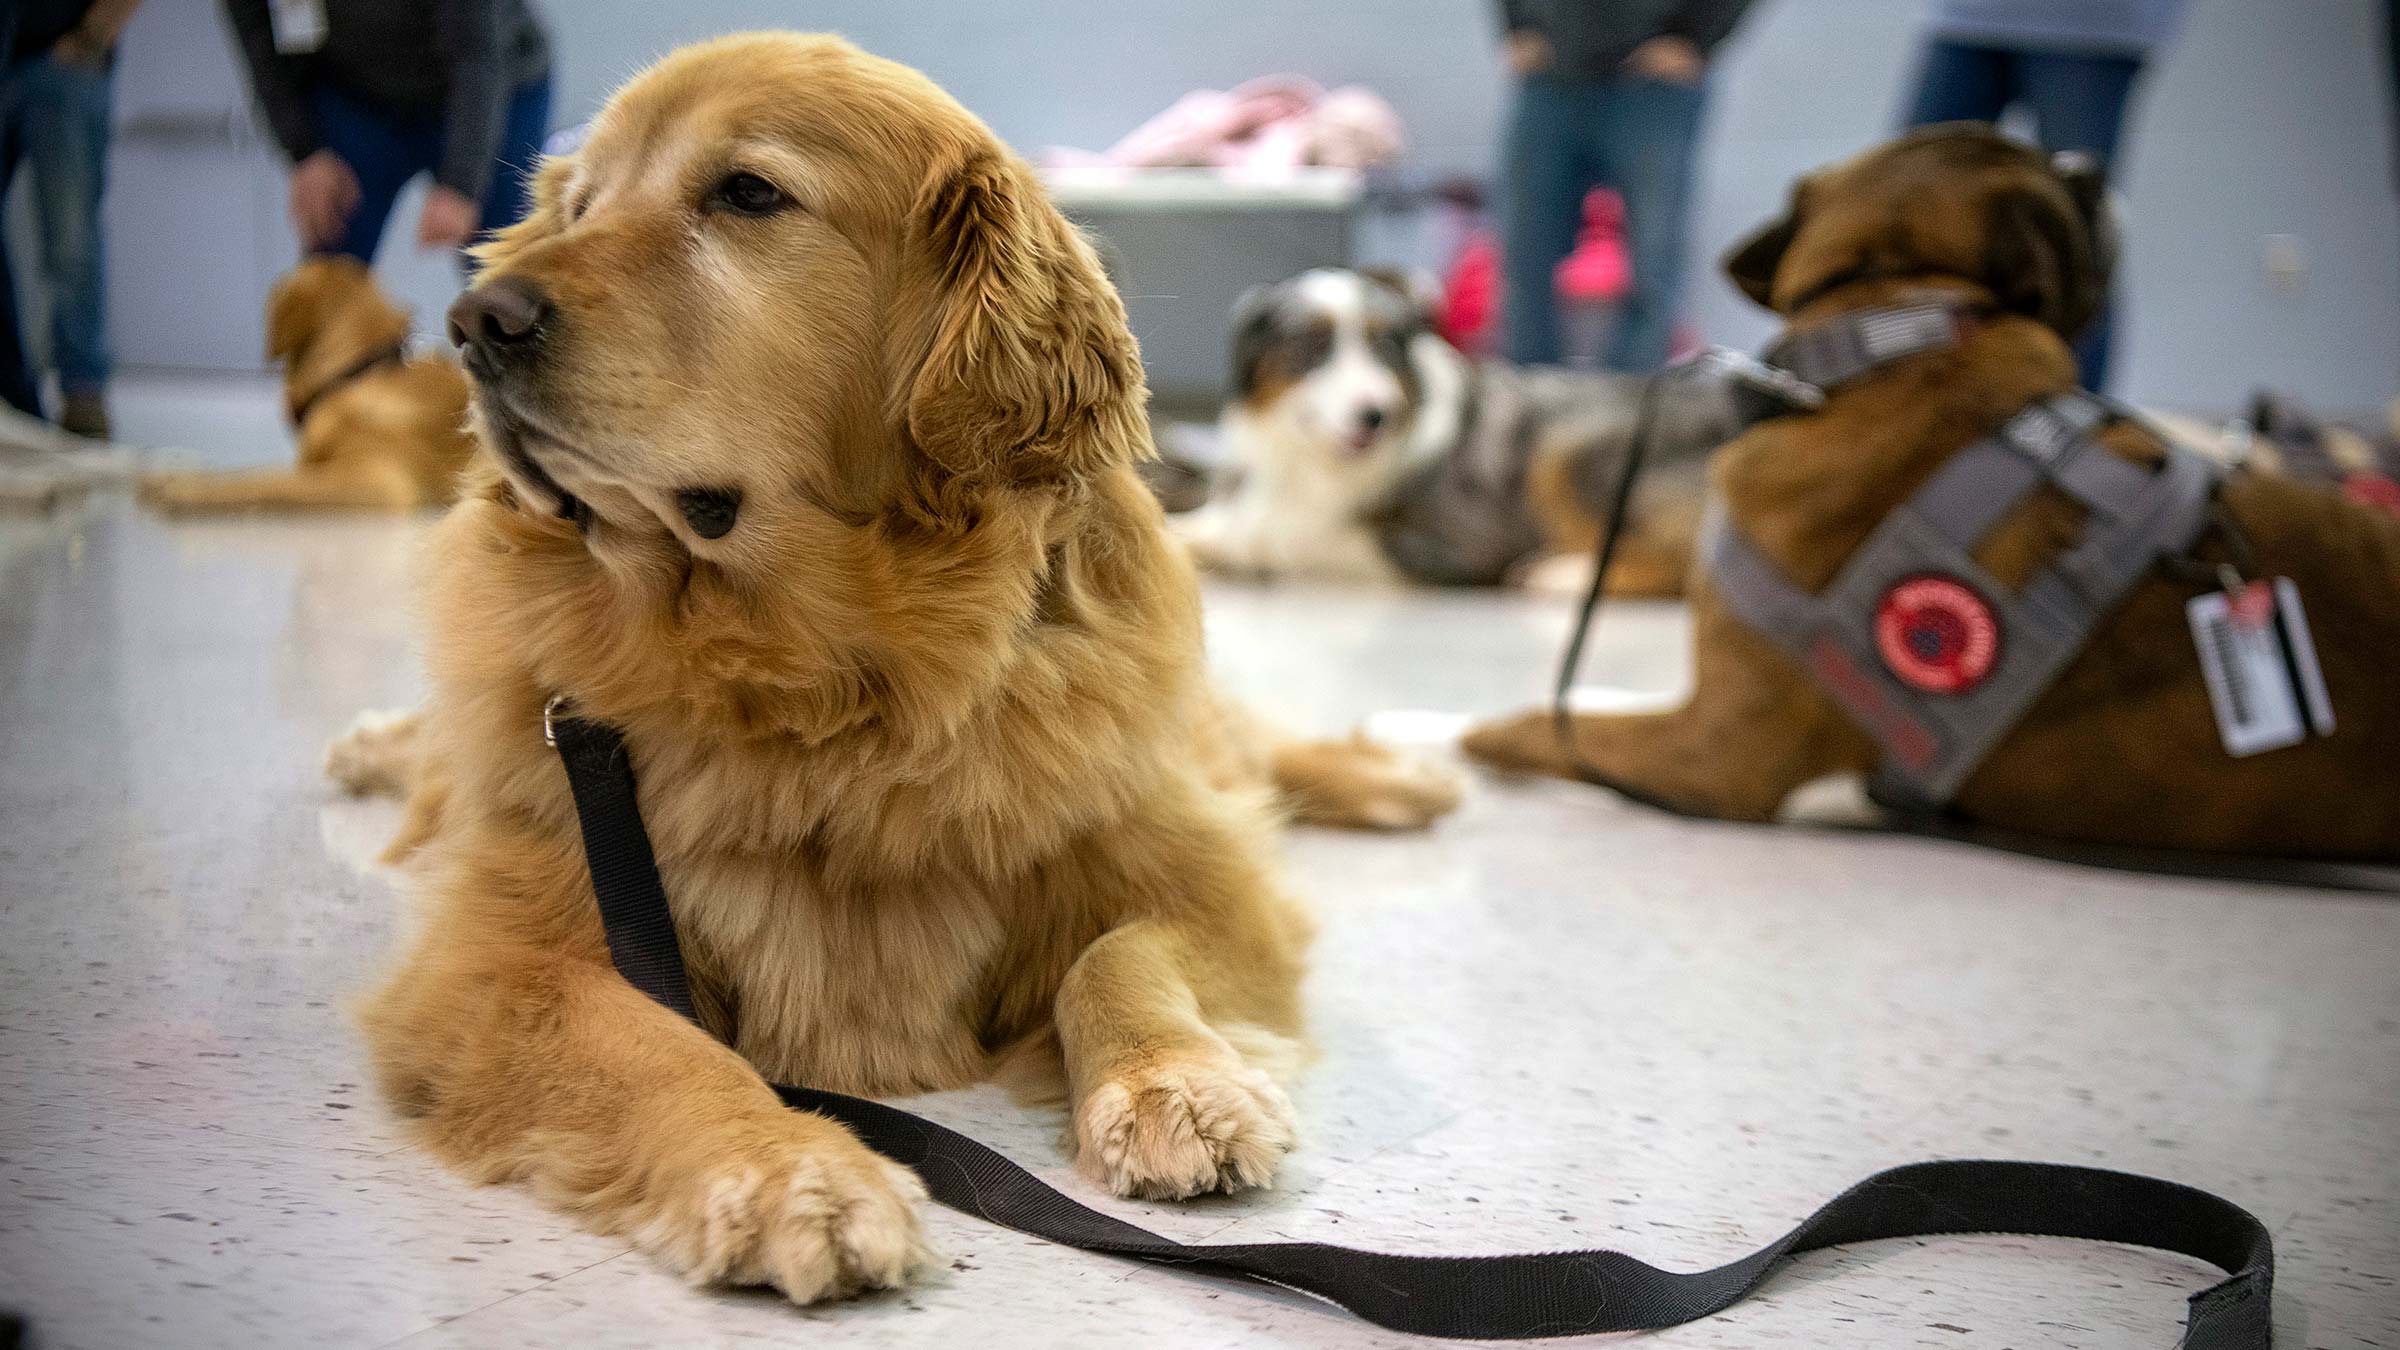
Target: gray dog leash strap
pixel 1509 1297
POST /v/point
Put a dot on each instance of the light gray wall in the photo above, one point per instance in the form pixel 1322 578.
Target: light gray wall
pixel 2268 118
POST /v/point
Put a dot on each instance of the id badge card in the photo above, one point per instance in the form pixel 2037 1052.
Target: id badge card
pixel 2260 662
pixel 299 25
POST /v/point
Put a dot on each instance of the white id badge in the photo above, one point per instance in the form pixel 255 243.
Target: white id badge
pixel 299 25
pixel 2261 666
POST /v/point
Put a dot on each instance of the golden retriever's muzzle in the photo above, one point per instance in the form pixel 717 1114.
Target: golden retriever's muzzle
pixel 500 326
pixel 506 327
pixel 501 329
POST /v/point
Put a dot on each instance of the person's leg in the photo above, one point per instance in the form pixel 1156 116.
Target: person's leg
pixel 1650 136
pixel 65 129
pixel 510 193
pixel 17 388
pixel 380 148
pixel 2079 104
pixel 1957 82
pixel 1541 209
pixel 16 378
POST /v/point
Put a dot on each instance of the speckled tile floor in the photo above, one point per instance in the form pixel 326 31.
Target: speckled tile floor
pixel 1557 1021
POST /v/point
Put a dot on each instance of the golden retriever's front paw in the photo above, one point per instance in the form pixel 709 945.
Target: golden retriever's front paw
pixel 375 753
pixel 1405 793
pixel 1362 784
pixel 1215 545
pixel 1183 1126
pixel 816 1219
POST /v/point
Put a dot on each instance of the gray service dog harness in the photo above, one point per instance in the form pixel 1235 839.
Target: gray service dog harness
pixel 1925 650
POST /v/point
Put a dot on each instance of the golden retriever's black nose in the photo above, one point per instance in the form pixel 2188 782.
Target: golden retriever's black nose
pixel 505 312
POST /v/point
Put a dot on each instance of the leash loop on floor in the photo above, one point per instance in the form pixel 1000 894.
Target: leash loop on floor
pixel 1513 1297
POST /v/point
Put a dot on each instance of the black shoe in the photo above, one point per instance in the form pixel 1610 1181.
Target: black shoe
pixel 85 415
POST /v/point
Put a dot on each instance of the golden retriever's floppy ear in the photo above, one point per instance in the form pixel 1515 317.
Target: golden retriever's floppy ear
pixel 1752 263
pixel 2039 257
pixel 1030 371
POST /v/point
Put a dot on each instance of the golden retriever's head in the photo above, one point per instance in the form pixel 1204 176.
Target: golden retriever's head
pixel 785 287
pixel 324 318
pixel 1958 201
pixel 842 412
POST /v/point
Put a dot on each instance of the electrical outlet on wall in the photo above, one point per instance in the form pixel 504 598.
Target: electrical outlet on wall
pixel 2286 263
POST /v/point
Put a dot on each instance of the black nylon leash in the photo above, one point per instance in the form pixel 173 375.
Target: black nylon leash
pixel 1511 1297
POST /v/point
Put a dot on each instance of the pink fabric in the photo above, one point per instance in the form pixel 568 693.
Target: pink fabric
pixel 1471 295
pixel 1599 269
pixel 1597 272
pixel 1274 122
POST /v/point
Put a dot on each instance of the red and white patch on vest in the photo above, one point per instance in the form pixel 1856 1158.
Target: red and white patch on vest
pixel 1937 635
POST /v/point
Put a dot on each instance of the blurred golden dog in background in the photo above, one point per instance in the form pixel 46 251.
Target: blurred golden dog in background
pixel 814 430
pixel 378 430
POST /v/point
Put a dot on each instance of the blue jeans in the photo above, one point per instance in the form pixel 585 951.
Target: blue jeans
pixel 2077 102
pixel 386 149
pixel 1566 137
pixel 54 117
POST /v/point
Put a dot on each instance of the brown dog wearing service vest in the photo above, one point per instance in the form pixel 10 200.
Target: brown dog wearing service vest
pixel 2122 747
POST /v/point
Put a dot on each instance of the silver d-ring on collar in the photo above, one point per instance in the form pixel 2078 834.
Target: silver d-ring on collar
pixel 550 713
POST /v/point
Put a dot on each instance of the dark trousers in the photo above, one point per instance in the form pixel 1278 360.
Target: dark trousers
pixel 16 378
pixel 54 121
pixel 2077 103
pixel 1566 137
pixel 387 149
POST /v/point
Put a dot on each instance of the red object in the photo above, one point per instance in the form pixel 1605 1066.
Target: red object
pixel 2368 488
pixel 2252 605
pixel 1937 635
pixel 1471 294
pixel 1598 272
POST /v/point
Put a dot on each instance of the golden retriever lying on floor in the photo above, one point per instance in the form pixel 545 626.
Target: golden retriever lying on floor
pixel 813 430
pixel 378 430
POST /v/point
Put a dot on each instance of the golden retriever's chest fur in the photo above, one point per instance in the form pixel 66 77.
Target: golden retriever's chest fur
pixel 855 991
pixel 833 937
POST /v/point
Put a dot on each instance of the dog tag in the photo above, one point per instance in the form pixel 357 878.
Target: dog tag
pixel 2261 666
pixel 299 25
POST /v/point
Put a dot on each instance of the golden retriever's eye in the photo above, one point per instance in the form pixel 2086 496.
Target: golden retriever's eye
pixel 747 194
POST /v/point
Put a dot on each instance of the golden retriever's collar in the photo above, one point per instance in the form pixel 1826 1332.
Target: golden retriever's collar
pixel 375 360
